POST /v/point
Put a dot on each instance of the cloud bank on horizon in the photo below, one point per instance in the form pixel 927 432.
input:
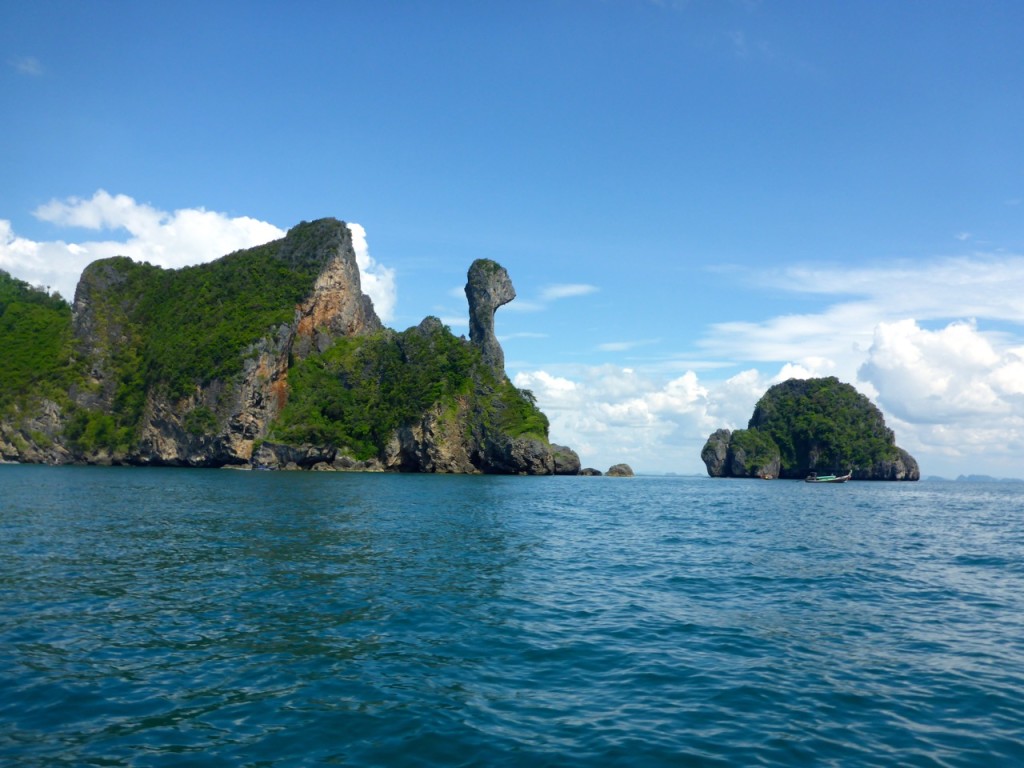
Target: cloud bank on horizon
pixel 911 338
pixel 952 395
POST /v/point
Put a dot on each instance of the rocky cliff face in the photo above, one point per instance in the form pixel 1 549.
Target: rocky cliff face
pixel 902 466
pixel 337 306
pixel 36 438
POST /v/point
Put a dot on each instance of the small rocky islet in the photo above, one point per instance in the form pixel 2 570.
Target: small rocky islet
pixel 803 426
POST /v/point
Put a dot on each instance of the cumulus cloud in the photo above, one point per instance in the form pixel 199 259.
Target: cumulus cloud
pixel 167 239
pixel 610 413
pixel 937 387
pixel 187 236
pixel 378 281
pixel 956 393
pixel 555 292
pixel 944 417
pixel 953 375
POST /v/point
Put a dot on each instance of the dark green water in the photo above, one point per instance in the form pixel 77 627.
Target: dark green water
pixel 187 617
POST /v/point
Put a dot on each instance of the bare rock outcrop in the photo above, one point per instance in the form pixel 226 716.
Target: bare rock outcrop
pixel 567 461
pixel 435 444
pixel 902 467
pixel 337 305
pixel 715 453
pixel 488 287
pixel 37 439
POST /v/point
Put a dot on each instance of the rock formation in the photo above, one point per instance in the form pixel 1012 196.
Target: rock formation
pixel 619 470
pixel 488 287
pixel 337 306
pixel 198 367
pixel 902 466
pixel 242 410
pixel 567 461
pixel 716 452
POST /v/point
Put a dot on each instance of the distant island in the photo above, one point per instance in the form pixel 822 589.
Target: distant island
pixel 973 479
pixel 270 357
pixel 802 426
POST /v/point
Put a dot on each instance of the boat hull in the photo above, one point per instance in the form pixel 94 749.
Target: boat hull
pixel 828 478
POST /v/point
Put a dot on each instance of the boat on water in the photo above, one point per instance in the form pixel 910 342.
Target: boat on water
pixel 814 477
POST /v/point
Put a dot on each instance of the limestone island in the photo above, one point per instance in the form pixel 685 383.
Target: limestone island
pixel 803 427
pixel 270 357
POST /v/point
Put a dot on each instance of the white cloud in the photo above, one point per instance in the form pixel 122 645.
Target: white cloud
pixel 625 346
pixel 555 292
pixel 167 239
pixel 27 65
pixel 610 414
pixel 378 281
pixel 187 236
pixel 954 393
pixel 454 321
pixel 984 285
pixel 549 294
pixel 951 420
pixel 949 376
pixel 102 211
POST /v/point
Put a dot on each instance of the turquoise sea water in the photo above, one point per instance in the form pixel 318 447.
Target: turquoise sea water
pixel 161 617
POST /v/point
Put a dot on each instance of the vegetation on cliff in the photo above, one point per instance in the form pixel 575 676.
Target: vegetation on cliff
pixel 806 425
pixel 36 339
pixel 172 331
pixel 190 326
pixel 824 421
pixel 360 390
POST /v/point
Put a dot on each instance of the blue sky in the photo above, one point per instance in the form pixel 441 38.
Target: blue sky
pixel 694 199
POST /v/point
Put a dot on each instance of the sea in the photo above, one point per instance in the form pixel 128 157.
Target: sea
pixel 186 617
